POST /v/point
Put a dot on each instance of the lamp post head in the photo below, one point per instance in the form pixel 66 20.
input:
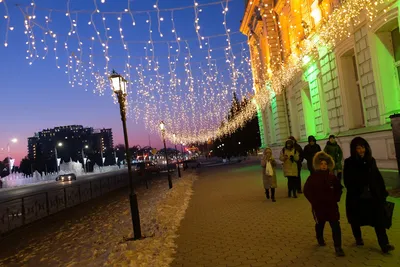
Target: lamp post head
pixel 86 146
pixel 14 140
pixel 118 83
pixel 60 144
pixel 162 126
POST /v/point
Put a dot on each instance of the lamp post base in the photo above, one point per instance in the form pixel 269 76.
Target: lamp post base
pixel 137 232
pixel 179 171
pixel 169 180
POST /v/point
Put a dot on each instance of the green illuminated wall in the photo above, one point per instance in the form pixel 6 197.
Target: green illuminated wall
pixel 261 127
pixel 387 80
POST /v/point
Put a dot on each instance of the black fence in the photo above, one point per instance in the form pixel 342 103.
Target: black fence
pixel 20 211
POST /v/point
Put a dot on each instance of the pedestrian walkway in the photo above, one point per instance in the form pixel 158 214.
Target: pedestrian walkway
pixel 229 222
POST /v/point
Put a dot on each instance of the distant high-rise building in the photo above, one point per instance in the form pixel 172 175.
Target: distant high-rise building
pixel 33 143
pixel 69 140
pixel 102 140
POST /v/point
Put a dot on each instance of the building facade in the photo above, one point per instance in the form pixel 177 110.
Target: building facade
pixel 70 141
pixel 348 89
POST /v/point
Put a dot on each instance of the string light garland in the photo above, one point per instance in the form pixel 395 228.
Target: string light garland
pixel 7 18
pixel 182 88
pixel 334 29
pixel 190 93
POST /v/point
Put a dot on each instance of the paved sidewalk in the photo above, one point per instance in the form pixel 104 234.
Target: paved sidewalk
pixel 229 222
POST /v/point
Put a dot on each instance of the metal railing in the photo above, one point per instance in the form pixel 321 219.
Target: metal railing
pixel 20 211
pixel 23 210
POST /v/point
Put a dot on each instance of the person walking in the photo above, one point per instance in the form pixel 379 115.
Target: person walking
pixel 309 152
pixel 366 193
pixel 299 164
pixel 335 151
pixel 289 156
pixel 323 190
pixel 268 173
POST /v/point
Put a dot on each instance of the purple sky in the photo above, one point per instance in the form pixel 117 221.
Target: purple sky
pixel 39 96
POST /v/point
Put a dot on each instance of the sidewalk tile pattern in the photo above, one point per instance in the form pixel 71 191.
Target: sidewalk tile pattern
pixel 229 222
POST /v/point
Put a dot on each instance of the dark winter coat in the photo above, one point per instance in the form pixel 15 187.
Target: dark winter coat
pixel 310 151
pixel 323 190
pixel 366 191
pixel 334 150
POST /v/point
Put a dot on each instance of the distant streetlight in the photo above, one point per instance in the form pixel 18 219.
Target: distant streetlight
pixel 162 128
pixel 14 141
pixel 56 155
pixel 176 152
pixel 118 84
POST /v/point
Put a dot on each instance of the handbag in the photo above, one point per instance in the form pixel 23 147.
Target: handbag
pixel 388 209
pixel 269 171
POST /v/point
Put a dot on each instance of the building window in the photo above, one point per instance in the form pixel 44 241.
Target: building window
pixel 396 49
pixel 308 111
pixel 293 116
pixel 352 90
pixel 385 54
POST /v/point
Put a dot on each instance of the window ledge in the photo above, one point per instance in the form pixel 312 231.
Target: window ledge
pixel 364 130
pixel 359 131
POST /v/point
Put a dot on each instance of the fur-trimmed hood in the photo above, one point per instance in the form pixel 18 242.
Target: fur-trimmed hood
pixel 291 142
pixel 323 156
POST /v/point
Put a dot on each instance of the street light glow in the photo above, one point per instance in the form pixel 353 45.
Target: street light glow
pixel 86 146
pixel 162 126
pixel 14 140
pixel 118 83
pixel 60 144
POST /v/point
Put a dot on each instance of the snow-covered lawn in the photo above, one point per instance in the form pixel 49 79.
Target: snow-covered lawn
pixel 98 238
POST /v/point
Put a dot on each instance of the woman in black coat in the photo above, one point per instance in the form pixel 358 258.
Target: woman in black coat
pixel 366 193
pixel 309 152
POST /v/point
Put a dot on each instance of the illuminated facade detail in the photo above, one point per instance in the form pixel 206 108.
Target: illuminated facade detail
pixel 347 85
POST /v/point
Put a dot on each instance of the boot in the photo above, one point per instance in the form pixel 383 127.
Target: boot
pixel 386 249
pixel 339 252
pixel 273 194
pixel 267 193
pixel 321 242
pixel 294 193
pixel 359 242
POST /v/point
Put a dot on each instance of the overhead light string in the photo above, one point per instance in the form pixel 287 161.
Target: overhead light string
pixel 8 19
pixel 196 23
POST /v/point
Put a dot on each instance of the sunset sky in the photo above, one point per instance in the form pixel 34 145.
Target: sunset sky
pixel 38 96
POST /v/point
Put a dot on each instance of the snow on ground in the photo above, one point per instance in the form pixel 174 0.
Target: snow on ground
pixel 99 238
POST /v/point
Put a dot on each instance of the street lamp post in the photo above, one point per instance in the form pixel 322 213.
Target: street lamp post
pixel 83 158
pixel 56 155
pixel 118 84
pixel 176 152
pixel 14 140
pixel 183 157
pixel 162 128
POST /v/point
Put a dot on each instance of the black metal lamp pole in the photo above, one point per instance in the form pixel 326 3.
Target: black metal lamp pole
pixel 177 160
pixel 121 94
pixel 183 158
pixel 166 154
pixel 179 169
